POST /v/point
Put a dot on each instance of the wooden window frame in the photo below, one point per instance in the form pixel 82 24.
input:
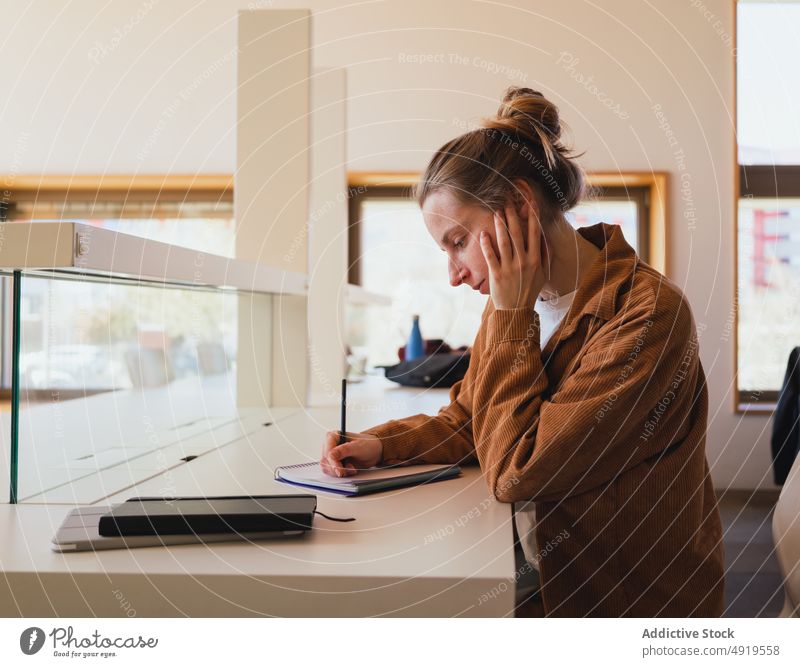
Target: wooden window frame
pixel 167 187
pixel 649 190
pixel 134 188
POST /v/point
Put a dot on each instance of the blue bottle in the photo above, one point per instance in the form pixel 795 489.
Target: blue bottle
pixel 415 348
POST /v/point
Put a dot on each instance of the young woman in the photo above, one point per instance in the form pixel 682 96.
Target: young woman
pixel 585 403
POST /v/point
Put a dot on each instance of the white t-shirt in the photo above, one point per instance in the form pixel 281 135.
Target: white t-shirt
pixel 551 312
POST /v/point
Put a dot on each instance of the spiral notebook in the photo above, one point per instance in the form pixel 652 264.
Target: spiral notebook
pixel 371 480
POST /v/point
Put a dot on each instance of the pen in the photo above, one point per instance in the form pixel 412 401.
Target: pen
pixel 343 430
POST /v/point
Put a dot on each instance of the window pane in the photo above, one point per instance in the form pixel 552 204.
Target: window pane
pixel 768 82
pixel 400 259
pixel 205 226
pixel 622 212
pixel 769 272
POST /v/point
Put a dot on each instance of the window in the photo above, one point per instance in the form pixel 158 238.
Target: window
pixel 195 212
pixel 768 230
pixel 392 254
pixel 399 259
pixel 97 321
pixel 625 207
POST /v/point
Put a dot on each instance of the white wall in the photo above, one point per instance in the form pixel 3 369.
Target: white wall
pixel 91 89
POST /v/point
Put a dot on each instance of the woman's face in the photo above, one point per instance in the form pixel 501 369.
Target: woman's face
pixel 456 228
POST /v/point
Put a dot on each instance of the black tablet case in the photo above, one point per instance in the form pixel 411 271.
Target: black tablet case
pixel 223 514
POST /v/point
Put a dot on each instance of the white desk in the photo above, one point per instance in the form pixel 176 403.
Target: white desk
pixel 439 550
pixel 75 451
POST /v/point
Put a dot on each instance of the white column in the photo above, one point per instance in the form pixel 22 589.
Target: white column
pixel 328 218
pixel 271 196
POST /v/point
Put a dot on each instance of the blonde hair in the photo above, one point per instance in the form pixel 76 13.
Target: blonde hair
pixel 522 141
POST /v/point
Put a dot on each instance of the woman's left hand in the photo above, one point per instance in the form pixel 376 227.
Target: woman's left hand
pixel 516 276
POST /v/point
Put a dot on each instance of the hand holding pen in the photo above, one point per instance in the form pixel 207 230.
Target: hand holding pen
pixel 361 450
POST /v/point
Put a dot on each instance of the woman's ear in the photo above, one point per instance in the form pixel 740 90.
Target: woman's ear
pixel 533 207
pixel 522 197
pixel 521 204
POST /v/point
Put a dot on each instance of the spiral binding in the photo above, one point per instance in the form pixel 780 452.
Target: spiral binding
pixel 300 465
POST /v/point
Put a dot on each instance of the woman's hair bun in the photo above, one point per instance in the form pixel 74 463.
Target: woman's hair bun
pixel 525 105
pixel 522 141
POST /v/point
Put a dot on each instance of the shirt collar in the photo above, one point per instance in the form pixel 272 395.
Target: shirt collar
pixel 596 295
pixel 597 292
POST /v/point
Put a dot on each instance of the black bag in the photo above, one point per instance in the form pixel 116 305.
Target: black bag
pixel 432 370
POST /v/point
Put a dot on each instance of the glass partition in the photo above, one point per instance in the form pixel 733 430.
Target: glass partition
pixel 5 400
pixel 119 381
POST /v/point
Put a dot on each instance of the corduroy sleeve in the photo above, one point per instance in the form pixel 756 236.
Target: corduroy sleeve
pixel 628 398
pixel 443 438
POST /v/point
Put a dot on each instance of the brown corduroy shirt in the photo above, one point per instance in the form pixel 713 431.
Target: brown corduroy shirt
pixel 604 430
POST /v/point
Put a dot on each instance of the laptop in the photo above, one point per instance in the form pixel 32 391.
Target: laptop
pixel 80 532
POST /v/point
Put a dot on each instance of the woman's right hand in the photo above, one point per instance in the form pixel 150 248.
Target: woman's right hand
pixel 361 450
